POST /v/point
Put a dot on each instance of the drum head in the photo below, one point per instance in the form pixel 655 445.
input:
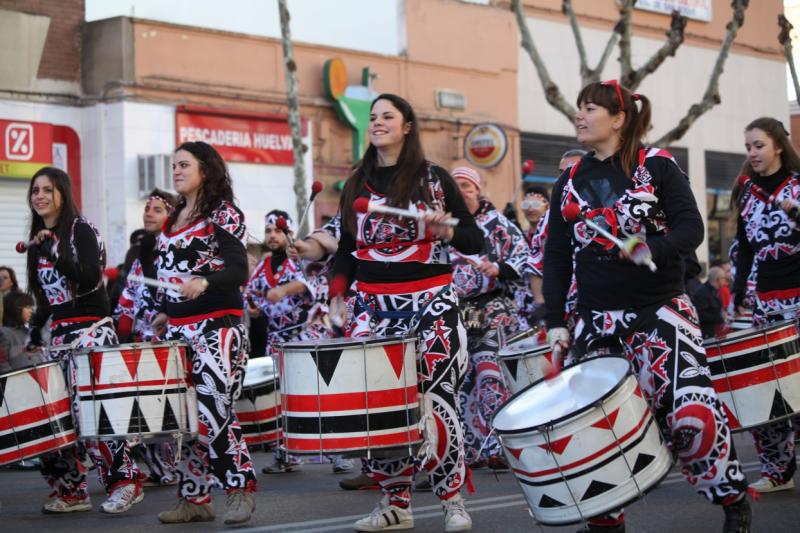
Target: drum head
pixel 528 346
pixel 259 370
pixel 345 342
pixel 549 401
pixel 741 334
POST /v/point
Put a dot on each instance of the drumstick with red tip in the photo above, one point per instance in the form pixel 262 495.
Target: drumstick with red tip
pixel 363 205
pixel 316 188
pixel 22 246
pixel 283 225
pixel 154 282
pixel 635 247
pixel 745 181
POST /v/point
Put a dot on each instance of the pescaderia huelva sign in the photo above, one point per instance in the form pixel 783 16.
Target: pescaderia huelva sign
pixel 238 137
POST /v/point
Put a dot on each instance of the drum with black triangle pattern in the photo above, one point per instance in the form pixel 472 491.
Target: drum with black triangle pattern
pixel 583 443
pixel 258 408
pixel 350 395
pixel 524 362
pixel 35 414
pixel 756 373
pixel 135 390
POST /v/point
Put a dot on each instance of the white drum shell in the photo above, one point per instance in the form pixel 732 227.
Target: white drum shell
pixel 523 363
pixel 258 407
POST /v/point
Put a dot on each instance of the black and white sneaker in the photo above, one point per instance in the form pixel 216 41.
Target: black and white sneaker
pixel 386 517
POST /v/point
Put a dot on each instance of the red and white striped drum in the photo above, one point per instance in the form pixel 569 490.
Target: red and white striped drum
pixel 350 396
pixel 259 407
pixel 756 373
pixel 35 414
pixel 135 390
pixel 524 362
pixel 582 443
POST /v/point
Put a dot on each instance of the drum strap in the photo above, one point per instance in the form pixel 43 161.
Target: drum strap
pixel 379 314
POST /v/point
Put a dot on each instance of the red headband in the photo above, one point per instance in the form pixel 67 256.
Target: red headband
pixel 613 83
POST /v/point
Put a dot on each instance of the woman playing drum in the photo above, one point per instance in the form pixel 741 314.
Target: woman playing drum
pixel 639 194
pixel 202 249
pixel 768 237
pixel 403 275
pixel 65 267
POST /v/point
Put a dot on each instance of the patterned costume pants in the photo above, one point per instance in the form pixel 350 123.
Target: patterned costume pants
pixel 160 459
pixel 441 365
pixel 483 390
pixel 64 470
pixel 219 455
pixel 775 442
pixel 664 345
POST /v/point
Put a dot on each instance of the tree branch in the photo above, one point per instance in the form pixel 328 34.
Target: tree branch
pixel 596 72
pixel 675 37
pixel 566 8
pixel 785 39
pixel 551 90
pixel 625 16
pixel 711 96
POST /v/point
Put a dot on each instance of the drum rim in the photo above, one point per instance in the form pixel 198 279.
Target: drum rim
pixel 541 349
pixel 739 335
pixel 345 342
pixel 131 345
pixel 573 414
pixel 127 436
pixel 29 368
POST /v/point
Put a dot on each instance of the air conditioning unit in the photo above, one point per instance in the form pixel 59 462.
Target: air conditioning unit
pixel 154 171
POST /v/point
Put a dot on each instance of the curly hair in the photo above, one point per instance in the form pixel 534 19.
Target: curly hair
pixel 216 185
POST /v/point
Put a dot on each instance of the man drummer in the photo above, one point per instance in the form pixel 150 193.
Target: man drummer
pixel 134 313
pixel 290 300
pixel 485 284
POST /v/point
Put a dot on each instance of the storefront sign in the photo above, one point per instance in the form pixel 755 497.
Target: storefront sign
pixel 485 145
pixel 693 9
pixel 238 138
pixel 351 102
pixel 25 147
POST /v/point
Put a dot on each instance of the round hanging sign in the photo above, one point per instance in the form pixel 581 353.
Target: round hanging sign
pixel 485 145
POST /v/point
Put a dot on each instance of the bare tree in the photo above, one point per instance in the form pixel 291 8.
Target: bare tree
pixel 785 38
pixel 631 77
pixel 298 149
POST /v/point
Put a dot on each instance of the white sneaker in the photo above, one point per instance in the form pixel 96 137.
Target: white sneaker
pixel 767 484
pixel 122 499
pixel 67 505
pixel 386 517
pixel 456 517
pixel 341 465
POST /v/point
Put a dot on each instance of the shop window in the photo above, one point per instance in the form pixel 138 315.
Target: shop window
pixel 722 169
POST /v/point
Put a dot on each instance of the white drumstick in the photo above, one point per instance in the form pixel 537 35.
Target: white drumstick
pixel 363 205
pixel 155 282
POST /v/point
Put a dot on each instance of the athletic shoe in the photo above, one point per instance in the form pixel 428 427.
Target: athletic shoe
pixel 360 482
pixel 122 499
pixel 593 528
pixel 279 467
pixel 456 517
pixel 186 512
pixel 342 465
pixel 239 507
pixel 738 517
pixel 386 517
pixel 65 504
pixel 497 463
pixel 768 484
pixel 423 484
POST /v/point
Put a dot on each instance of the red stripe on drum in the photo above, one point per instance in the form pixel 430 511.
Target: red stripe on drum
pixel 350 401
pixel 722 348
pixel 261 438
pixel 757 377
pixel 330 443
pixel 34 415
pixel 39 448
pixel 613 446
pixel 256 416
pixel 131 384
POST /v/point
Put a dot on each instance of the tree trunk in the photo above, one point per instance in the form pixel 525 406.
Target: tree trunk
pixel 298 149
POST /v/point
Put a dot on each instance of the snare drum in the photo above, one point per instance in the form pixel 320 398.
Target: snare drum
pixel 756 373
pixel 524 362
pixel 135 390
pixel 582 443
pixel 350 395
pixel 35 415
pixel 258 408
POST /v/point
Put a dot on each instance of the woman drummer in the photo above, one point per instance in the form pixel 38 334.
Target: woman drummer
pixel 768 235
pixel 65 267
pixel 402 273
pixel 640 194
pixel 202 250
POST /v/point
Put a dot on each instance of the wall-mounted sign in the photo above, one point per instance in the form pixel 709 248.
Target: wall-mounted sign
pixel 485 145
pixel 248 139
pixel 351 102
pixel 25 147
pixel 693 9
pixel 449 99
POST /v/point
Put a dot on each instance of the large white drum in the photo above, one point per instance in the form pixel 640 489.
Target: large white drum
pixel 135 390
pixel 582 443
pixel 259 407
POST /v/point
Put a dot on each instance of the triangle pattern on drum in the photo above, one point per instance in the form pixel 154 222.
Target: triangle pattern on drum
pixel 733 422
pixel 327 362
pixel 3 391
pixel 395 353
pixel 170 421
pixel 546 501
pixel 607 422
pixel 596 488
pixel 41 375
pixel 96 360
pixel 152 409
pixel 516 452
pixel 131 358
pixel 103 423
pixel 642 460
pixel 511 365
pixel 162 357
pixel 780 407
pixel 557 446
pixel 138 422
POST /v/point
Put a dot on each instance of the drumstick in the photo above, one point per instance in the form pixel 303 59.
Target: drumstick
pixel 572 212
pixel 22 246
pixel 745 181
pixel 316 188
pixel 363 205
pixel 283 225
pixel 154 282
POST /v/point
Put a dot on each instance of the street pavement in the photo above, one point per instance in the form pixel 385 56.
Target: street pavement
pixel 310 501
